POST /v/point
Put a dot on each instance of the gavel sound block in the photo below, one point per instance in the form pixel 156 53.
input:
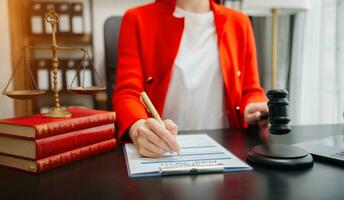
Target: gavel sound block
pixel 279 156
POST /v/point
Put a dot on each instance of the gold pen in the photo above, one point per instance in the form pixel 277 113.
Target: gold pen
pixel 151 109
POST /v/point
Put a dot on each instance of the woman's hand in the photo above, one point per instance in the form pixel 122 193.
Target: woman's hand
pixel 258 113
pixel 253 112
pixel 152 139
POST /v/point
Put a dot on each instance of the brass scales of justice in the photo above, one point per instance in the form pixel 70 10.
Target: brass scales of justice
pixel 56 112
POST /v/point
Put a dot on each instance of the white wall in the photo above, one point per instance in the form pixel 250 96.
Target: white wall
pixel 6 104
pixel 102 9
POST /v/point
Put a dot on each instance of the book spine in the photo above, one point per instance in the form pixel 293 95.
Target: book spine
pixel 65 142
pixel 74 155
pixel 74 124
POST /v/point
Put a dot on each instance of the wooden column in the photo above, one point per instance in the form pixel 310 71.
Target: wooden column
pixel 274 49
pixel 19 34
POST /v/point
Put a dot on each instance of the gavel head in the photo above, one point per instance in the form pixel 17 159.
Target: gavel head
pixel 278 109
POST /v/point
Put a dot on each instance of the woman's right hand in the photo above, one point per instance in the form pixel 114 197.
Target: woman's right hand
pixel 152 139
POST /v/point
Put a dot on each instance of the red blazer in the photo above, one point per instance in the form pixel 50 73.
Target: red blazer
pixel 148 44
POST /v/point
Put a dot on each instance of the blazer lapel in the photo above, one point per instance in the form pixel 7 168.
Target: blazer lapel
pixel 221 20
pixel 168 41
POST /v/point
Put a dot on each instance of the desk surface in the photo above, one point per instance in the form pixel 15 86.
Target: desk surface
pixel 105 176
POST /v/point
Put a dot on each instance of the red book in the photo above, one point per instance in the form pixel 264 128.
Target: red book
pixel 37 126
pixel 45 147
pixel 56 160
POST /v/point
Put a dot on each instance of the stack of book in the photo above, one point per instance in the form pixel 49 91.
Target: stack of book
pixel 36 143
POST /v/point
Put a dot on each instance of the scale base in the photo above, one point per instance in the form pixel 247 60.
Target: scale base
pixel 58 113
pixel 279 156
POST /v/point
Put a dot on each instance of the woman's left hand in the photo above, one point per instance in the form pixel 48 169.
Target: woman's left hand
pixel 253 112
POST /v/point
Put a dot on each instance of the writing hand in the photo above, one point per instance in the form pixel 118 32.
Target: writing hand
pixel 152 139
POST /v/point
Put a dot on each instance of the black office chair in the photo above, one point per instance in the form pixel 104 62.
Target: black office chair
pixel 111 32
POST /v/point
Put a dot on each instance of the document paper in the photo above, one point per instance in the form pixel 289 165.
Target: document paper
pixel 194 149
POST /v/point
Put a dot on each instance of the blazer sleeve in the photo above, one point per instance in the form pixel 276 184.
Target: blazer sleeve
pixel 129 77
pixel 252 92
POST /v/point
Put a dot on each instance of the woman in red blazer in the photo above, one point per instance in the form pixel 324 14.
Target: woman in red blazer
pixel 149 41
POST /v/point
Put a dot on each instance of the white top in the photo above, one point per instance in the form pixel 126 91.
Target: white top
pixel 195 98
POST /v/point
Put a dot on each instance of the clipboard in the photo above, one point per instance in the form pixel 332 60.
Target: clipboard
pixel 199 154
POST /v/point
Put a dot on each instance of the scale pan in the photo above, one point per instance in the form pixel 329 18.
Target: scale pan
pixel 24 94
pixel 86 90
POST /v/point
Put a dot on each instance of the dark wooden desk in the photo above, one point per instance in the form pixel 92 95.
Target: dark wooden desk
pixel 105 177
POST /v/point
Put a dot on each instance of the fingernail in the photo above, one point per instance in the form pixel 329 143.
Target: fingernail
pixel 177 148
pixel 162 151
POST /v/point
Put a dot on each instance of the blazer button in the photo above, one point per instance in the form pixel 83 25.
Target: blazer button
pixel 150 80
pixel 237 108
pixel 239 73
